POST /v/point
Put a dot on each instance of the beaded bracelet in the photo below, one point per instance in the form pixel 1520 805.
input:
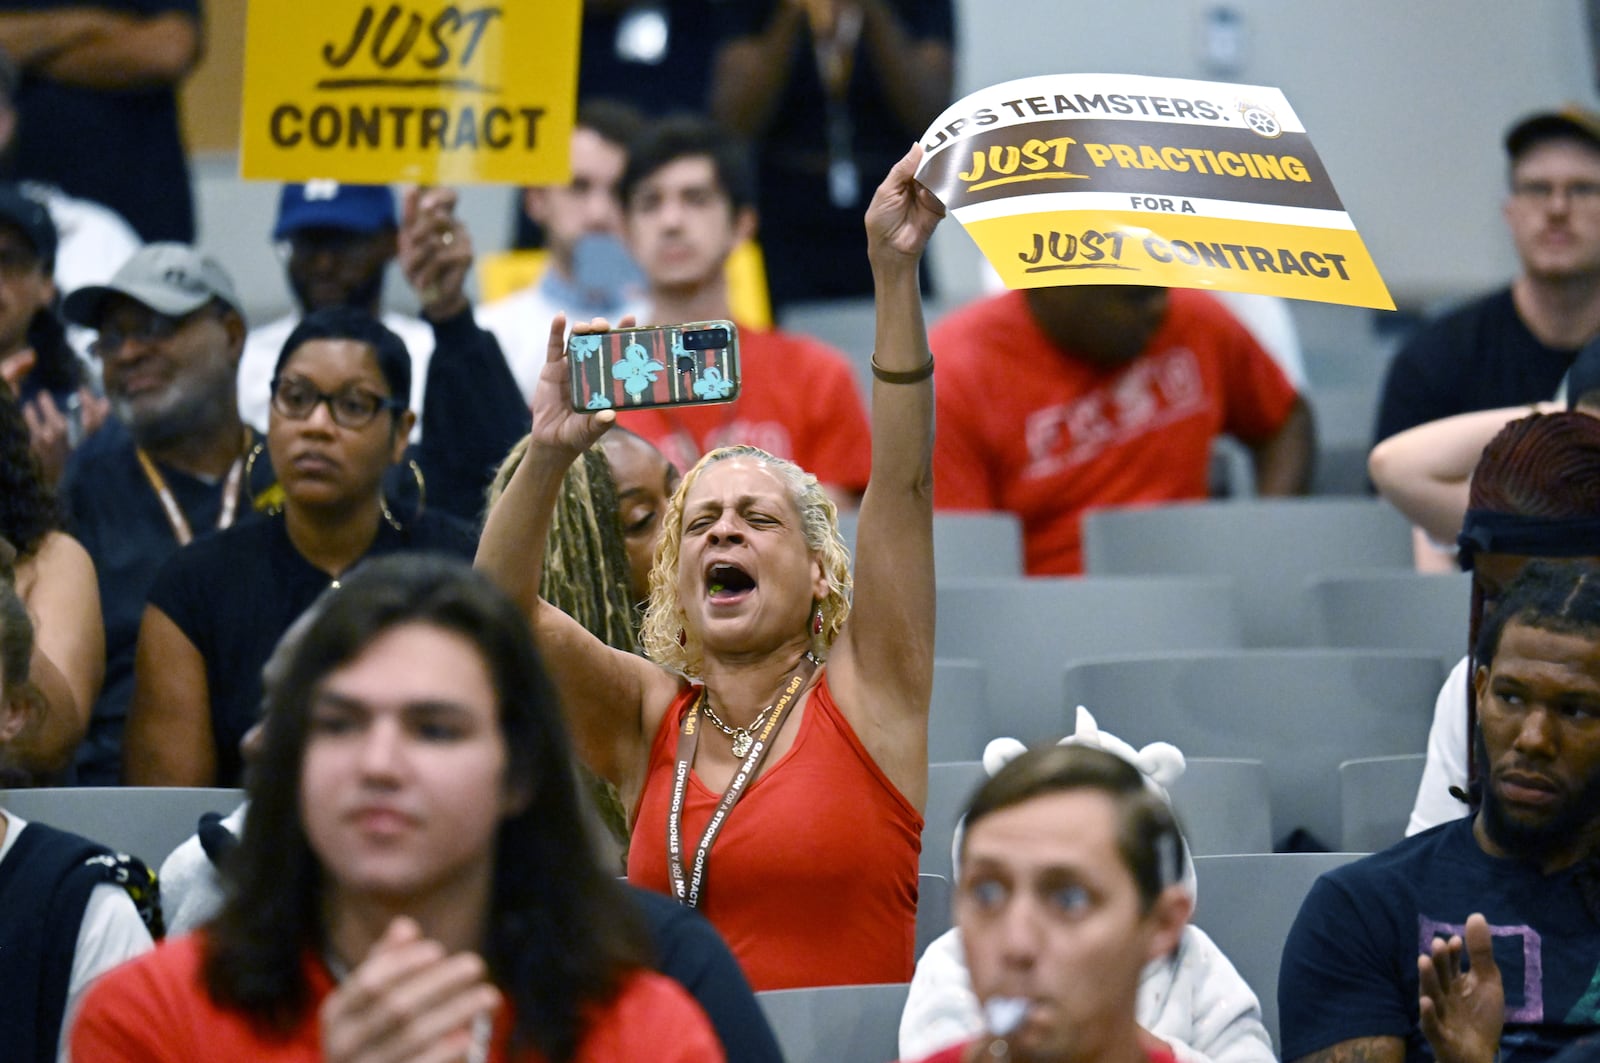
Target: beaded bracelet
pixel 906 376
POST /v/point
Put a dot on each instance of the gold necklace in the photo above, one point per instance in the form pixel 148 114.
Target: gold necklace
pixel 742 738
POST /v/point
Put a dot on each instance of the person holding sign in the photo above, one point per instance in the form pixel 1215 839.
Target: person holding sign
pixel 773 750
pixel 1056 400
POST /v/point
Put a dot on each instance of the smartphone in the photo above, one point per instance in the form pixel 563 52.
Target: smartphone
pixel 664 365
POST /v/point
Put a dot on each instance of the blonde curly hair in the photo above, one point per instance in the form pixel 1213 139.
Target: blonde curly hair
pixel 666 639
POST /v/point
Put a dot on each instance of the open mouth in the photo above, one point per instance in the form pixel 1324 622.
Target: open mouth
pixel 726 581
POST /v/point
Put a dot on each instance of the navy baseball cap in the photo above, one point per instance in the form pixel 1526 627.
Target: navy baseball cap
pixel 32 218
pixel 332 205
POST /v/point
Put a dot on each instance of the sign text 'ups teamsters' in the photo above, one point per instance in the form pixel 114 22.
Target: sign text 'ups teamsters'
pixel 1120 179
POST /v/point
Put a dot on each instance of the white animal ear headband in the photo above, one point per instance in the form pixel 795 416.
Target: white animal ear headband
pixel 1160 762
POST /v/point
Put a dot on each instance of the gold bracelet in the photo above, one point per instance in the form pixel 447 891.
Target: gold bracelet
pixel 906 376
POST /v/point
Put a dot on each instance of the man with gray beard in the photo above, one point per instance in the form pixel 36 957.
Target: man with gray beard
pixel 172 463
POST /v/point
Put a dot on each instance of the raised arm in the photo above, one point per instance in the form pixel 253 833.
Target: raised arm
pixel 129 53
pixel 603 691
pixel 882 666
pixel 1426 471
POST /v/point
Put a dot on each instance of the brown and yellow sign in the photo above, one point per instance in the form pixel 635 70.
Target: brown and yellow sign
pixel 424 91
pixel 1103 179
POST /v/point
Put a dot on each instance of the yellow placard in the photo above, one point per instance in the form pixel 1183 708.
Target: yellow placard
pixel 424 91
pixel 1118 179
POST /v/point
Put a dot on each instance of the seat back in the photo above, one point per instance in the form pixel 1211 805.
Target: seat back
pixel 1224 805
pixel 831 1024
pixel 958 718
pixel 950 787
pixel 1025 630
pixel 1247 904
pixel 144 821
pixel 965 545
pixel 1301 712
pixel 1376 795
pixel 934 916
pixel 1391 610
pixel 1262 544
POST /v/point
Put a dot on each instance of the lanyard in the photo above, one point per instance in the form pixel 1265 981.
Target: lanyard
pixel 688 892
pixel 180 523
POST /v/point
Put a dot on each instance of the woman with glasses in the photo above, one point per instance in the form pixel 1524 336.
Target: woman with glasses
pixel 338 422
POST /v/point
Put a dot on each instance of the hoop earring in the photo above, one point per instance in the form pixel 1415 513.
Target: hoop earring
pixel 422 488
pixel 269 501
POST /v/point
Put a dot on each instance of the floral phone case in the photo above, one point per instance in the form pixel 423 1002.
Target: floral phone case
pixel 665 365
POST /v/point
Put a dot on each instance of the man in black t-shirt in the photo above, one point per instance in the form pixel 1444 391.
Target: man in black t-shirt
pixel 1516 344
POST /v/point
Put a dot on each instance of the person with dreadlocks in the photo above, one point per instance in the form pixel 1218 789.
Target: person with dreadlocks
pixel 1372 968
pixel 591 569
pixel 1535 493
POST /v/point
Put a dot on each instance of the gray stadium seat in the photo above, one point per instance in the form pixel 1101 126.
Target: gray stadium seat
pixel 1224 805
pixel 1247 904
pixel 965 545
pixel 1265 545
pixel 144 821
pixel 835 1024
pixel 958 718
pixel 1391 610
pixel 1375 799
pixel 1025 630
pixel 1301 712
pixel 934 897
pixel 950 787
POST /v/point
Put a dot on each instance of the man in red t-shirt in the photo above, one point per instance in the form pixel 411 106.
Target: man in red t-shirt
pixel 687 195
pixel 1070 882
pixel 1053 401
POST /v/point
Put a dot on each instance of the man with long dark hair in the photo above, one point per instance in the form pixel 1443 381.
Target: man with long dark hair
pixel 414 875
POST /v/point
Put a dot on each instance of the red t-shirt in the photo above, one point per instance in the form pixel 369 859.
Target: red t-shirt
pixel 1029 428
pixel 797 399
pixel 155 1009
pixel 813 877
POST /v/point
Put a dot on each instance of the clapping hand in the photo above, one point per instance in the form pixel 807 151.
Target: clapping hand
pixel 1462 1011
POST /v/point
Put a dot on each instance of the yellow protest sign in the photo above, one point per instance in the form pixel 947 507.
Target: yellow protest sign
pixel 1121 179
pixel 424 90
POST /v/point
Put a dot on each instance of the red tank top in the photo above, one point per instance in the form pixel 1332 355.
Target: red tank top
pixel 813 878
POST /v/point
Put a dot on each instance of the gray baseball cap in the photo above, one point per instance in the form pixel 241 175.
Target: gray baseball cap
pixel 172 279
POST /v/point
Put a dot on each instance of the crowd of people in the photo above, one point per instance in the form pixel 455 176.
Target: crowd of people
pixel 564 733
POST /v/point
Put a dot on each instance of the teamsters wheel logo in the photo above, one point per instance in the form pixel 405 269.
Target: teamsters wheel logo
pixel 1260 120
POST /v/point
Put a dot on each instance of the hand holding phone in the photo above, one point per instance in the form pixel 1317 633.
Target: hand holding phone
pixel 664 365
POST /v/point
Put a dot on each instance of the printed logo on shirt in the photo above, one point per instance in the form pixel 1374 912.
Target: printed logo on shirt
pixel 1518 954
pixel 1148 395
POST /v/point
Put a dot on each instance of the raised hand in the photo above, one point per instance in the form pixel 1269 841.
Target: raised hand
pixel 555 423
pixel 410 1000
pixel 435 251
pixel 902 214
pixel 1462 1011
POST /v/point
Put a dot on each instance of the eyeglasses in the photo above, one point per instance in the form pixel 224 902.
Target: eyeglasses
pixel 150 328
pixel 1580 194
pixel 352 407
